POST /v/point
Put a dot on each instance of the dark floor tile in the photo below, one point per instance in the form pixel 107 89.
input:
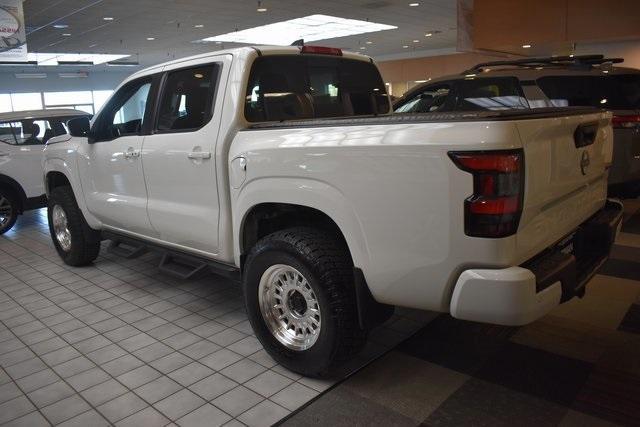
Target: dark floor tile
pixel 611 394
pixel 631 321
pixel 627 253
pixel 480 403
pixel 457 344
pixel 546 375
pixel 621 268
pixel 343 408
pixel 632 225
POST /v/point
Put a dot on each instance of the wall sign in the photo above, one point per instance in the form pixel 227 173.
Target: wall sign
pixel 13 40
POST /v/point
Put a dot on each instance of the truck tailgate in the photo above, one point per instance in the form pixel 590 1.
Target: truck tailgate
pixel 566 162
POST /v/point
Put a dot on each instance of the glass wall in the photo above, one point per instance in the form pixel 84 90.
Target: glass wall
pixel 89 101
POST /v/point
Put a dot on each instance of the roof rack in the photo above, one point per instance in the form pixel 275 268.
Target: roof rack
pixel 581 61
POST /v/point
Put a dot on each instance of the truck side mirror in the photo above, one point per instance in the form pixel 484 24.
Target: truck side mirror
pixel 80 126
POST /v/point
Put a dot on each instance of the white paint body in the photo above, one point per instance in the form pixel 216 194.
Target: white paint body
pixel 391 188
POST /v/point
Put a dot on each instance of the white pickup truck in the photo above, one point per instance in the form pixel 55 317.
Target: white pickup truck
pixel 283 167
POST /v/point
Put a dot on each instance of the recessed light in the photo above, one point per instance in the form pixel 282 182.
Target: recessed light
pixel 603 101
pixel 151 38
pixel 405 47
pixel 66 34
pixel 416 41
pixel 428 34
pixel 60 26
pixel 414 4
pixel 198 75
pixel 198 26
pixel 260 8
pixel 362 48
pixel 310 28
pixel 218 42
pixel 605 71
pixel 526 46
pixel 368 42
pixel 420 81
pixel 107 18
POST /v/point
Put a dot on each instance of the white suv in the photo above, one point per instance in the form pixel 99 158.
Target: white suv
pixel 23 135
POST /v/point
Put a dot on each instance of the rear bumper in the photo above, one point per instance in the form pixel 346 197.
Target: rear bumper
pixel 522 294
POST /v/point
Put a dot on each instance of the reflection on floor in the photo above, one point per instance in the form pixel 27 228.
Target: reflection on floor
pixel 578 366
pixel 122 343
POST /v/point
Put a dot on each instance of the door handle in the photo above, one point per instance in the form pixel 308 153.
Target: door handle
pixel 131 153
pixel 199 155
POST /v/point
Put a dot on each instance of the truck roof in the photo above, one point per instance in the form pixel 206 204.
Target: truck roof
pixel 41 114
pixel 263 50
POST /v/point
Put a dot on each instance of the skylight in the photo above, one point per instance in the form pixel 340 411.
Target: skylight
pixel 310 28
pixel 53 58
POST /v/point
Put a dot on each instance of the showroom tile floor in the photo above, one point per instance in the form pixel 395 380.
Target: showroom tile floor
pixel 121 343
pixel 579 366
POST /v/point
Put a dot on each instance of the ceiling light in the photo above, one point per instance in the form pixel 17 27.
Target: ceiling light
pixel 260 8
pixel 218 42
pixel 368 42
pixel 53 59
pixel 603 101
pixel 526 46
pixel 198 75
pixel 122 64
pixel 19 63
pixel 416 41
pixel 362 48
pixel 66 34
pixel 420 81
pixel 605 71
pixel 414 4
pixel 30 75
pixel 107 18
pixel 428 34
pixel 309 28
pixel 60 26
pixel 198 26
pixel 151 38
pixel 405 47
pixel 76 63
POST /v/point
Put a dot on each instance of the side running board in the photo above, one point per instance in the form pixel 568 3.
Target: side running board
pixel 180 266
pixel 126 250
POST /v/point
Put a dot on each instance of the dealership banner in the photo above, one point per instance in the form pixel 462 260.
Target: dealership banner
pixel 13 40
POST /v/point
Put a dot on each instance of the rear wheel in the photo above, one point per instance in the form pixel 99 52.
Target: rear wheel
pixel 76 242
pixel 8 210
pixel 298 288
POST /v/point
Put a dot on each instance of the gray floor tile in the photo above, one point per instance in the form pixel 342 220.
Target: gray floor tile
pixel 181 340
pixel 121 407
pixel 268 383
pixel 121 333
pixel 153 352
pixel 37 380
pixel 104 392
pixel 264 414
pixel 65 409
pixel 9 391
pixel 73 367
pixel 94 343
pixel 170 362
pixel 33 419
pixel 108 325
pixel 79 334
pixel 38 336
pixel 208 329
pixel 50 394
pixel 49 345
pixel 22 369
pixel 122 364
pixel 190 373
pixel 90 418
pixel 139 376
pixel 227 337
pixel 106 354
pixel 136 342
pixel 179 404
pixel 221 359
pixel 165 331
pixel 89 378
pixel 294 396
pixel 205 416
pixel 148 417
pixel 243 370
pixel 237 401
pixel 60 356
pixel 157 389
pixel 200 349
pixel 213 386
pixel 246 346
pixel 15 356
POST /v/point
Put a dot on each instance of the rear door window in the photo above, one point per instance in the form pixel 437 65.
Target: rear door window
pixel 618 92
pixel 31 132
pixel 503 93
pixel 283 87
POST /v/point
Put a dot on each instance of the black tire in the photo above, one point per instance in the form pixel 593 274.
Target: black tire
pixel 325 262
pixel 8 197
pixel 85 241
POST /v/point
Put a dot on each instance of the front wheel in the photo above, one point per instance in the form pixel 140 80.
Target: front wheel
pixel 8 210
pixel 298 289
pixel 76 242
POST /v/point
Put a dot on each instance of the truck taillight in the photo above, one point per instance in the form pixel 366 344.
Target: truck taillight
pixel 629 121
pixel 321 50
pixel 494 208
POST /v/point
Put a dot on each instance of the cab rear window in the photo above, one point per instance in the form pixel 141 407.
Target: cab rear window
pixel 288 87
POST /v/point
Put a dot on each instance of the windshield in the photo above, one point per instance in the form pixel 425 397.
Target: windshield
pixel 617 92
